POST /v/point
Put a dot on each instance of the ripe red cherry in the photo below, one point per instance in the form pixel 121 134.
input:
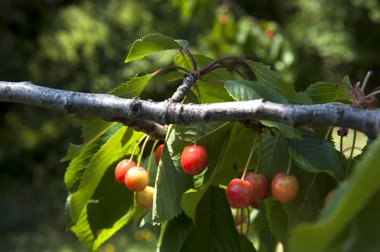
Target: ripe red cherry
pixel 121 169
pixel 260 185
pixel 285 188
pixel 194 159
pixel 239 193
pixel 158 154
pixel 144 198
pixel 136 179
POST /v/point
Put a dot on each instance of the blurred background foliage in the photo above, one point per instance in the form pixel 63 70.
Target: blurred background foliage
pixel 81 45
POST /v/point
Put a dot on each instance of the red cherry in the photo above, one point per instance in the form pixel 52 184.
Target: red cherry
pixel 194 159
pixel 121 169
pixel 158 154
pixel 136 179
pixel 239 193
pixel 285 188
pixel 260 185
pixel 144 198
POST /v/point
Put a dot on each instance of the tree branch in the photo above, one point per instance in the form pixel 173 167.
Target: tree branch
pixel 112 108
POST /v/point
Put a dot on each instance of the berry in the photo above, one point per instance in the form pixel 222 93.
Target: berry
pixel 268 33
pixel 158 154
pixel 136 179
pixel 260 185
pixel 285 188
pixel 239 193
pixel 121 169
pixel 144 198
pixel 194 159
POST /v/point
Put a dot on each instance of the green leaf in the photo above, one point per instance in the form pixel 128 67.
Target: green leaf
pixel 79 163
pixel 265 75
pixel 174 233
pixel 109 209
pixel 215 229
pixel 133 87
pixel 365 228
pixel 286 130
pixel 352 196
pixel 323 92
pixel 314 154
pixel 119 145
pixel 275 155
pixel 277 219
pixel 192 197
pixel 171 183
pixel 243 90
pixel 152 43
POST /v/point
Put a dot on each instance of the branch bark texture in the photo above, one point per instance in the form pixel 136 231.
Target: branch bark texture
pixel 112 108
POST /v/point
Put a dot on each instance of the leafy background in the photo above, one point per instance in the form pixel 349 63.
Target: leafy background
pixel 81 45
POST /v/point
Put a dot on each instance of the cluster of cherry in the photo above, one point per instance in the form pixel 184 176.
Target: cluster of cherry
pixel 241 193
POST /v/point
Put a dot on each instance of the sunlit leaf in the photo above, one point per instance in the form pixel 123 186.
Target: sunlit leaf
pixel 242 90
pixel 119 145
pixel 152 43
pixel 265 75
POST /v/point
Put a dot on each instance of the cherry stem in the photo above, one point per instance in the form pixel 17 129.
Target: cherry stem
pixel 328 133
pixel 369 74
pixel 197 136
pixel 351 154
pixel 169 68
pixel 249 157
pixel 373 93
pixel 232 69
pixel 134 148
pixel 207 68
pixel 241 219
pixel 142 151
pixel 289 164
pixel 151 154
pixel 248 221
pixel 192 59
pixel 259 158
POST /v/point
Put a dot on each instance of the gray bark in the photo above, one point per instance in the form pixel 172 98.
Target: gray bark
pixel 148 116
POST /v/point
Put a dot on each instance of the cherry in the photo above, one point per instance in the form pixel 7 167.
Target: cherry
pixel 158 154
pixel 260 185
pixel 144 198
pixel 194 159
pixel 121 169
pixel 285 188
pixel 239 193
pixel 136 179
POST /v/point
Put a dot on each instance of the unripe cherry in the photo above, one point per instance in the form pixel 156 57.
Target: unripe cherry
pixel 144 198
pixel 136 179
pixel 285 188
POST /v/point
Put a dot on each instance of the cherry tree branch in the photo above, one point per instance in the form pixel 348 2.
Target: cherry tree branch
pixel 112 108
